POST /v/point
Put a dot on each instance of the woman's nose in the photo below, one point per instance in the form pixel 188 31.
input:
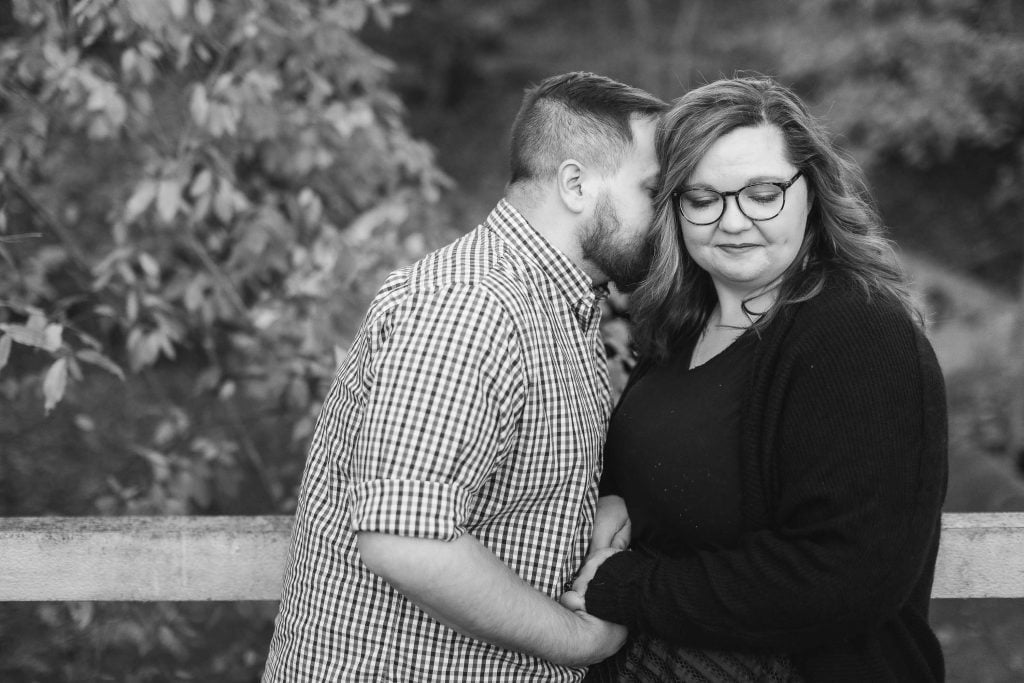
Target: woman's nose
pixel 733 220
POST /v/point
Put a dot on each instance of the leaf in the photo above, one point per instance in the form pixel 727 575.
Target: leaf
pixel 199 105
pixel 224 119
pixel 203 12
pixel 89 340
pixel 137 350
pixel 224 202
pixel 340 117
pixel 129 58
pixel 302 429
pixel 150 49
pixel 82 614
pixel 159 463
pixel 5 350
pixel 100 97
pixel 178 7
pixel 360 230
pixel 164 342
pixel 74 369
pixel 297 393
pixel 53 337
pixel 227 390
pixel 132 307
pixel 39 336
pixel 140 200
pixel 348 14
pixel 36 323
pixel 201 183
pixel 149 266
pixel 312 206
pixel 195 292
pixel 54 384
pixel 97 358
pixel 168 199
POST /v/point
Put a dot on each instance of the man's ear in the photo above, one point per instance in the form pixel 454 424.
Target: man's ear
pixel 570 185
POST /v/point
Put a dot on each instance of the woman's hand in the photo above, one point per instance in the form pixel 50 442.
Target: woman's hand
pixel 611 525
pixel 611 535
pixel 576 598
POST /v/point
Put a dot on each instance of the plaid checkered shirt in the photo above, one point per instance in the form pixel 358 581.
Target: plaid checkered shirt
pixel 474 400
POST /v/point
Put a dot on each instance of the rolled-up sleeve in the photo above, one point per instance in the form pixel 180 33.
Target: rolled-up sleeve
pixel 446 391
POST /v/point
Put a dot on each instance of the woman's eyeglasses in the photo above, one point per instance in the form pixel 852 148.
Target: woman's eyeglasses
pixel 758 201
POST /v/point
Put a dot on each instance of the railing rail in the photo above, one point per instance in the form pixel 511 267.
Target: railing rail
pixel 242 558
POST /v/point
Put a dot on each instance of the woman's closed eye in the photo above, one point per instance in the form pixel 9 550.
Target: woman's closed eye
pixel 764 194
pixel 700 200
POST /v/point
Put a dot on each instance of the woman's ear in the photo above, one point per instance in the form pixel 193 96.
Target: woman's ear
pixel 570 185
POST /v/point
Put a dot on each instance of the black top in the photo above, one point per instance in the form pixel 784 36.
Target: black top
pixel 673 450
pixel 843 472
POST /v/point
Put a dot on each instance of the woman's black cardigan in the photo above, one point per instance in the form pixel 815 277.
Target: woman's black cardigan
pixel 843 466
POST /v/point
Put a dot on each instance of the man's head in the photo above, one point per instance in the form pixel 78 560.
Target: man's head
pixel 583 152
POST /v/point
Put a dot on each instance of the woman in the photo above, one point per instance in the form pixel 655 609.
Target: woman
pixel 781 446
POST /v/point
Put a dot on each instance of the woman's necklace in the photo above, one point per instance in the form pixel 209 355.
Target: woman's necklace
pixel 713 339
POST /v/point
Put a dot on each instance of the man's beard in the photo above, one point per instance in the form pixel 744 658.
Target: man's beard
pixel 624 260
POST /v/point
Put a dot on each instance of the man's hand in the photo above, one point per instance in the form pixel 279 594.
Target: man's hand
pixel 604 637
pixel 612 527
pixel 463 585
pixel 576 599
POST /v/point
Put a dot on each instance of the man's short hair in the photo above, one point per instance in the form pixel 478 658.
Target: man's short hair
pixel 576 115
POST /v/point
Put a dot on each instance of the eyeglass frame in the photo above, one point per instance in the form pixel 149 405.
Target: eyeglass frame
pixel 784 185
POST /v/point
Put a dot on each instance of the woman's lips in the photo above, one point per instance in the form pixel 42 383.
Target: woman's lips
pixel 738 247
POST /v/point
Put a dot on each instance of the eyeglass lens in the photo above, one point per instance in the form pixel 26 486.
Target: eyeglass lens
pixel 757 202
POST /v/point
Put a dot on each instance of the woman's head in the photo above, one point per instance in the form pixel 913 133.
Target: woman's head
pixel 725 136
pixel 742 212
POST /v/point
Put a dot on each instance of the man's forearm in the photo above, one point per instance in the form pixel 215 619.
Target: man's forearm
pixel 465 586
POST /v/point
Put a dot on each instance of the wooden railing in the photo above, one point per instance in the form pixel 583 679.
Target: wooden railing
pixel 242 558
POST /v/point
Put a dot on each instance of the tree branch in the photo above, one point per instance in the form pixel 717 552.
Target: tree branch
pixel 75 249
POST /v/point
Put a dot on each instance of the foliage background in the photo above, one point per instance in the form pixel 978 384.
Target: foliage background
pixel 198 199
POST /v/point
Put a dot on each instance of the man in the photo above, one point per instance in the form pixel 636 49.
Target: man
pixel 452 480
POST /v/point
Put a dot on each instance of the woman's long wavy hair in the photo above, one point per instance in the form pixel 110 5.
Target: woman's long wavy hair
pixel 844 232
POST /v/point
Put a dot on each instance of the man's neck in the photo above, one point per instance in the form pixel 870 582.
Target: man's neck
pixel 557 227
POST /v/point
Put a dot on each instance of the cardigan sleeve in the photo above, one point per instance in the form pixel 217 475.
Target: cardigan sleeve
pixel 855 440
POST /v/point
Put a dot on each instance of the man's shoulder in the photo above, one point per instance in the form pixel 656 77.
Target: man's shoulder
pixel 479 260
pixel 479 267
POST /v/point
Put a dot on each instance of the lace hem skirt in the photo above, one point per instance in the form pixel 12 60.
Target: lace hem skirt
pixel 648 660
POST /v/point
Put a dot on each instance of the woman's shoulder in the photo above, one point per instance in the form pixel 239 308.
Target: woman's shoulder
pixel 845 302
pixel 847 328
pixel 846 317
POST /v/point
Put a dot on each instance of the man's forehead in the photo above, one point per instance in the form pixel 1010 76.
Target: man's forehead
pixel 642 156
pixel 643 128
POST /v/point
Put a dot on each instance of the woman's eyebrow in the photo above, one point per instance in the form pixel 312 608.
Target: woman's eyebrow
pixel 764 178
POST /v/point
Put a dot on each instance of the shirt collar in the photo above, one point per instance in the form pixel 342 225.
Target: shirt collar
pixel 570 281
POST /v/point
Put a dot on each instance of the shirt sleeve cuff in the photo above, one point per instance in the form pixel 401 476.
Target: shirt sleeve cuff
pixel 409 507
pixel 607 487
pixel 616 589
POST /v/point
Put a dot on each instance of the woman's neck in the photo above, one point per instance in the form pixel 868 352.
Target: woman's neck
pixel 742 309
